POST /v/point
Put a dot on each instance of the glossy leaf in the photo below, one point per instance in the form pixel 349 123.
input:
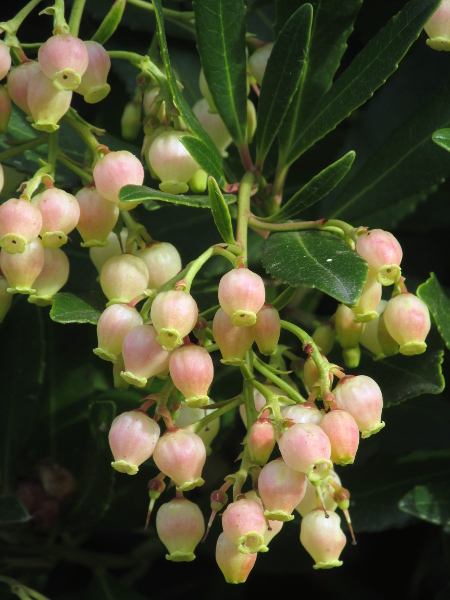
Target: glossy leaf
pixel 131 193
pixel 220 212
pixel 110 23
pixel 82 308
pixel 12 511
pixel 317 260
pixel 282 77
pixel 180 102
pixel 442 138
pixel 439 304
pixel 368 71
pixel 318 187
pixel 201 153
pixel 221 28
pixel 429 502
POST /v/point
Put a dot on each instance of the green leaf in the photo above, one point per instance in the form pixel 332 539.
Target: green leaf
pixel 221 30
pixel 81 308
pixel 130 193
pixel 442 138
pixel 429 502
pixel 332 25
pixel 12 511
pixel 318 260
pixel 180 102
pixel 318 187
pixel 439 304
pixel 368 71
pixel 201 153
pixel 110 23
pixel 220 212
pixel 281 78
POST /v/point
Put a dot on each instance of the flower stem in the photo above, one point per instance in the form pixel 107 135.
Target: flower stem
pixel 23 147
pixel 245 189
pixel 197 264
pixel 75 16
pixel 289 391
pixel 67 162
pixel 215 414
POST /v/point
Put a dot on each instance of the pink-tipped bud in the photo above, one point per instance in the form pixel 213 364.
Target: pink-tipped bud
pixel 366 309
pixel 142 355
pixel 305 447
pixel 407 320
pixel 324 336
pixel 63 59
pixel 313 500
pixel 258 61
pixel 281 489
pixel 192 372
pixel 93 84
pixel 180 455
pixel 18 82
pixel 383 253
pixel 349 333
pixel 114 170
pixel 22 270
pixel 123 278
pixel 261 441
pixel 180 527
pixel 5 109
pixel 234 565
pixel 303 413
pixel 97 217
pixel 47 104
pixel 20 223
pixel 376 337
pixel 174 314
pixel 234 342
pixel 362 398
pixel 5 298
pixel 60 213
pixel 213 125
pixel 322 537
pixel 132 438
pixel 52 278
pixel 267 330
pixel 343 433
pixel 5 60
pixel 438 27
pixel 244 525
pixel 163 262
pixel 311 373
pixel 241 296
pixel 115 246
pixel 113 326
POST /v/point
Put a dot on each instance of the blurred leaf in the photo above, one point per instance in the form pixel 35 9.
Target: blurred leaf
pixel 439 304
pixel 83 308
pixel 110 23
pixel 429 502
pixel 221 28
pixel 442 138
pixel 107 587
pixel 12 511
pixel 368 71
pixel 130 193
pixel 220 212
pixel 318 260
pixel 318 187
pixel 282 77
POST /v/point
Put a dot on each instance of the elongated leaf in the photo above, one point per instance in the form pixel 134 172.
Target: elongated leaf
pixel 332 25
pixel 200 152
pixel 281 78
pixel 439 304
pixel 110 23
pixel 84 308
pixel 12 511
pixel 180 102
pixel 368 71
pixel 403 170
pixel 221 29
pixel 442 138
pixel 130 193
pixel 314 190
pixel 220 212
pixel 317 260
pixel 430 502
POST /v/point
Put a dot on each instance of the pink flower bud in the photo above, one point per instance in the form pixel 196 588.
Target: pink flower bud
pixel 5 60
pixel 244 525
pixel 152 103
pixel 52 278
pixel 305 447
pixel 60 213
pixel 376 337
pixel 63 59
pixel 180 527
pixel 324 336
pixel 322 537
pixel 267 330
pixel 5 109
pixel 180 455
pixel 142 355
pixel 261 441
pixel 258 61
pixel 303 413
pixel 97 217
pixel 130 123
pixel 438 27
pixel 174 315
pixel 47 105
pixel 365 310
pixel 163 262
pixel 343 433
pixel 115 246
pixel 21 270
pixel 362 398
pixel 20 223
pixel 114 324
pixel 281 489
pixel 93 84
pixel 123 278
pixel 213 125
pixel 5 298
pixel 383 253
pixel 349 334
pixel 132 438
pixel 114 170
pixel 234 342
pixel 311 499
pixel 18 82
pixel 241 295
pixel 192 372
pixel 311 373
pixel 234 565
pixel 407 320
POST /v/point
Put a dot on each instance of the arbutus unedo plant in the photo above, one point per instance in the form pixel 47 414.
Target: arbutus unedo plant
pixel 232 245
